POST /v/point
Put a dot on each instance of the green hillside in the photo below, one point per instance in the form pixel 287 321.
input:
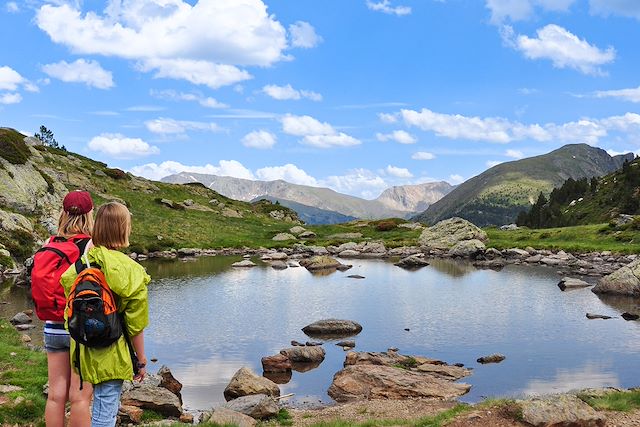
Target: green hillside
pixel 34 179
pixel 496 196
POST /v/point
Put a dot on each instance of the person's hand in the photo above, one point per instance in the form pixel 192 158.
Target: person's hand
pixel 142 369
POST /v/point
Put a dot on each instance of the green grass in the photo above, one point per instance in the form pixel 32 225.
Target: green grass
pixel 149 416
pixel 581 238
pixel 12 147
pixel 26 369
pixel 615 401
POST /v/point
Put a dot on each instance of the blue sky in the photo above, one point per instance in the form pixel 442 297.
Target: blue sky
pixel 355 95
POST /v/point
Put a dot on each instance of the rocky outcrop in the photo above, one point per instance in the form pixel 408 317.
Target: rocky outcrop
pixel 446 234
pixel 625 281
pixel 561 411
pixel 257 406
pixel 333 327
pixel 245 383
pixel 306 354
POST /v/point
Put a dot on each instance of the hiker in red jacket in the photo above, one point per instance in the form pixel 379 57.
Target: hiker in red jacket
pixel 62 250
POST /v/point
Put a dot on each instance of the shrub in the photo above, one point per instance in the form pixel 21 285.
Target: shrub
pixel 385 225
pixel 116 173
pixel 19 243
pixel 12 147
pixel 51 189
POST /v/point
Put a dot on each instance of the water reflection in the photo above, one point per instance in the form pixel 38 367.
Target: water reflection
pixel 591 375
pixel 451 267
pixel 622 303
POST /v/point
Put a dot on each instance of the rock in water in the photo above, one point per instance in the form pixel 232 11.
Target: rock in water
pixel 257 406
pixel 358 382
pixel 244 263
pixel 411 262
pixel 624 281
pixel 169 382
pixel 562 410
pixel 245 383
pixel 347 343
pixel 597 316
pixel 277 363
pixel 493 358
pixel 333 327
pixel 571 283
pixel 630 316
pixel 321 262
pixel 446 234
pixel 306 354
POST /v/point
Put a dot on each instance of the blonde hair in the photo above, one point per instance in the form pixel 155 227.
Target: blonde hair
pixel 112 226
pixel 70 225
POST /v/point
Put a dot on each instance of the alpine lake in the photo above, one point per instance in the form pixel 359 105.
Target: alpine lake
pixel 208 319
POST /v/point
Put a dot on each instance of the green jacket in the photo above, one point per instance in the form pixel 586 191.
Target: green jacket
pixel 128 280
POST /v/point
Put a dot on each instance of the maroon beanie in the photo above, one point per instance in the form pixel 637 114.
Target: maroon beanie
pixel 77 202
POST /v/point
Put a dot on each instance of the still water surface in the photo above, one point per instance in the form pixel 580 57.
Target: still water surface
pixel 208 319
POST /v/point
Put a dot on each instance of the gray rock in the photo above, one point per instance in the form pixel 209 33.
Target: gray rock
pixel 188 252
pixel 561 411
pixel 168 203
pixel 355 276
pixel 347 343
pixel 533 259
pixel 20 319
pixel 25 327
pixel 492 253
pixel 100 173
pixel 412 262
pixel 226 417
pixel 306 354
pixel 373 248
pixel 572 283
pixel 516 253
pixel 244 263
pixel 411 225
pixel 279 265
pixel 345 236
pixel 598 316
pixel 281 237
pixel 297 230
pixel 245 383
pixel 349 246
pixel 349 253
pixel 334 327
pixel 158 399
pixel 493 358
pixel 624 281
pixel 307 235
pixel 257 406
pixel 277 363
pixel 467 248
pixel 509 227
pixel 321 262
pixel 446 234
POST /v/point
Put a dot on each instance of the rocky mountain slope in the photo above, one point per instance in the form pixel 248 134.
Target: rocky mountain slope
pixel 395 203
pixel 34 179
pixel 309 214
pixel 496 196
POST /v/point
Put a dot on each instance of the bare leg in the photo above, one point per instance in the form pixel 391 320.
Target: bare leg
pixel 59 370
pixel 80 402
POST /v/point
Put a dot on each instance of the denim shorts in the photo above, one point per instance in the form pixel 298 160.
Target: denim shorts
pixel 56 338
pixel 106 402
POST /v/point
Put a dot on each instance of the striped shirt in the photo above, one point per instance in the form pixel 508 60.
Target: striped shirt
pixel 55 328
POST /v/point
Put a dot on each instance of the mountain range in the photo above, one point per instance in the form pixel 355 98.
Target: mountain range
pixel 497 195
pixel 403 202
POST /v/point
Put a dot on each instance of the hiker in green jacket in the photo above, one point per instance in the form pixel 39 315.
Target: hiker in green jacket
pixel 107 367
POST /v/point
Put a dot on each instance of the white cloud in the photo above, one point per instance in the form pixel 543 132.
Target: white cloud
pixel 629 8
pixel 287 92
pixel 224 168
pixel 10 98
pixel 119 146
pixel 165 125
pixel 398 172
pixel 290 173
pixel 386 7
pixel 527 91
pixel 517 10
pixel 12 7
pixel 501 130
pixel 304 35
pixel 423 155
pixel 316 133
pixel 614 153
pixel 10 79
pixel 388 118
pixel 80 71
pixel 514 154
pixel 204 43
pixel 360 182
pixel 456 179
pixel 632 94
pixel 204 101
pixel 563 48
pixel 492 163
pixel 144 108
pixel 399 136
pixel 259 139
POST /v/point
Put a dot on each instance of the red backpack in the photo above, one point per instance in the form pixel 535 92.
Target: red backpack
pixel 49 262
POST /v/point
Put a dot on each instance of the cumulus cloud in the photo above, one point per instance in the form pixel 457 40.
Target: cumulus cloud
pixel 287 92
pixel 563 48
pixel 315 133
pixel 361 182
pixel 514 154
pixel 398 172
pixel 388 117
pixel 80 71
pixel 423 155
pixel 204 101
pixel 399 136
pixel 628 8
pixel 11 81
pixel 517 10
pixel 205 43
pixel 290 173
pixel 456 179
pixel 492 163
pixel 304 35
pixel 121 147
pixel 632 94
pixel 163 125
pixel 385 6
pixel 10 98
pixel 501 130
pixel 224 168
pixel 259 139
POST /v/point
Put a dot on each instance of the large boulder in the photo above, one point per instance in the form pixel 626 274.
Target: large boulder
pixel 320 262
pixel 624 281
pixel 281 237
pixel 245 383
pixel 467 248
pixel 306 354
pixel 412 262
pixel 561 411
pixel 358 382
pixel 332 327
pixel 446 234
pixel 169 381
pixel 258 406
pixel 226 417
pixel 156 398
pixel 276 364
